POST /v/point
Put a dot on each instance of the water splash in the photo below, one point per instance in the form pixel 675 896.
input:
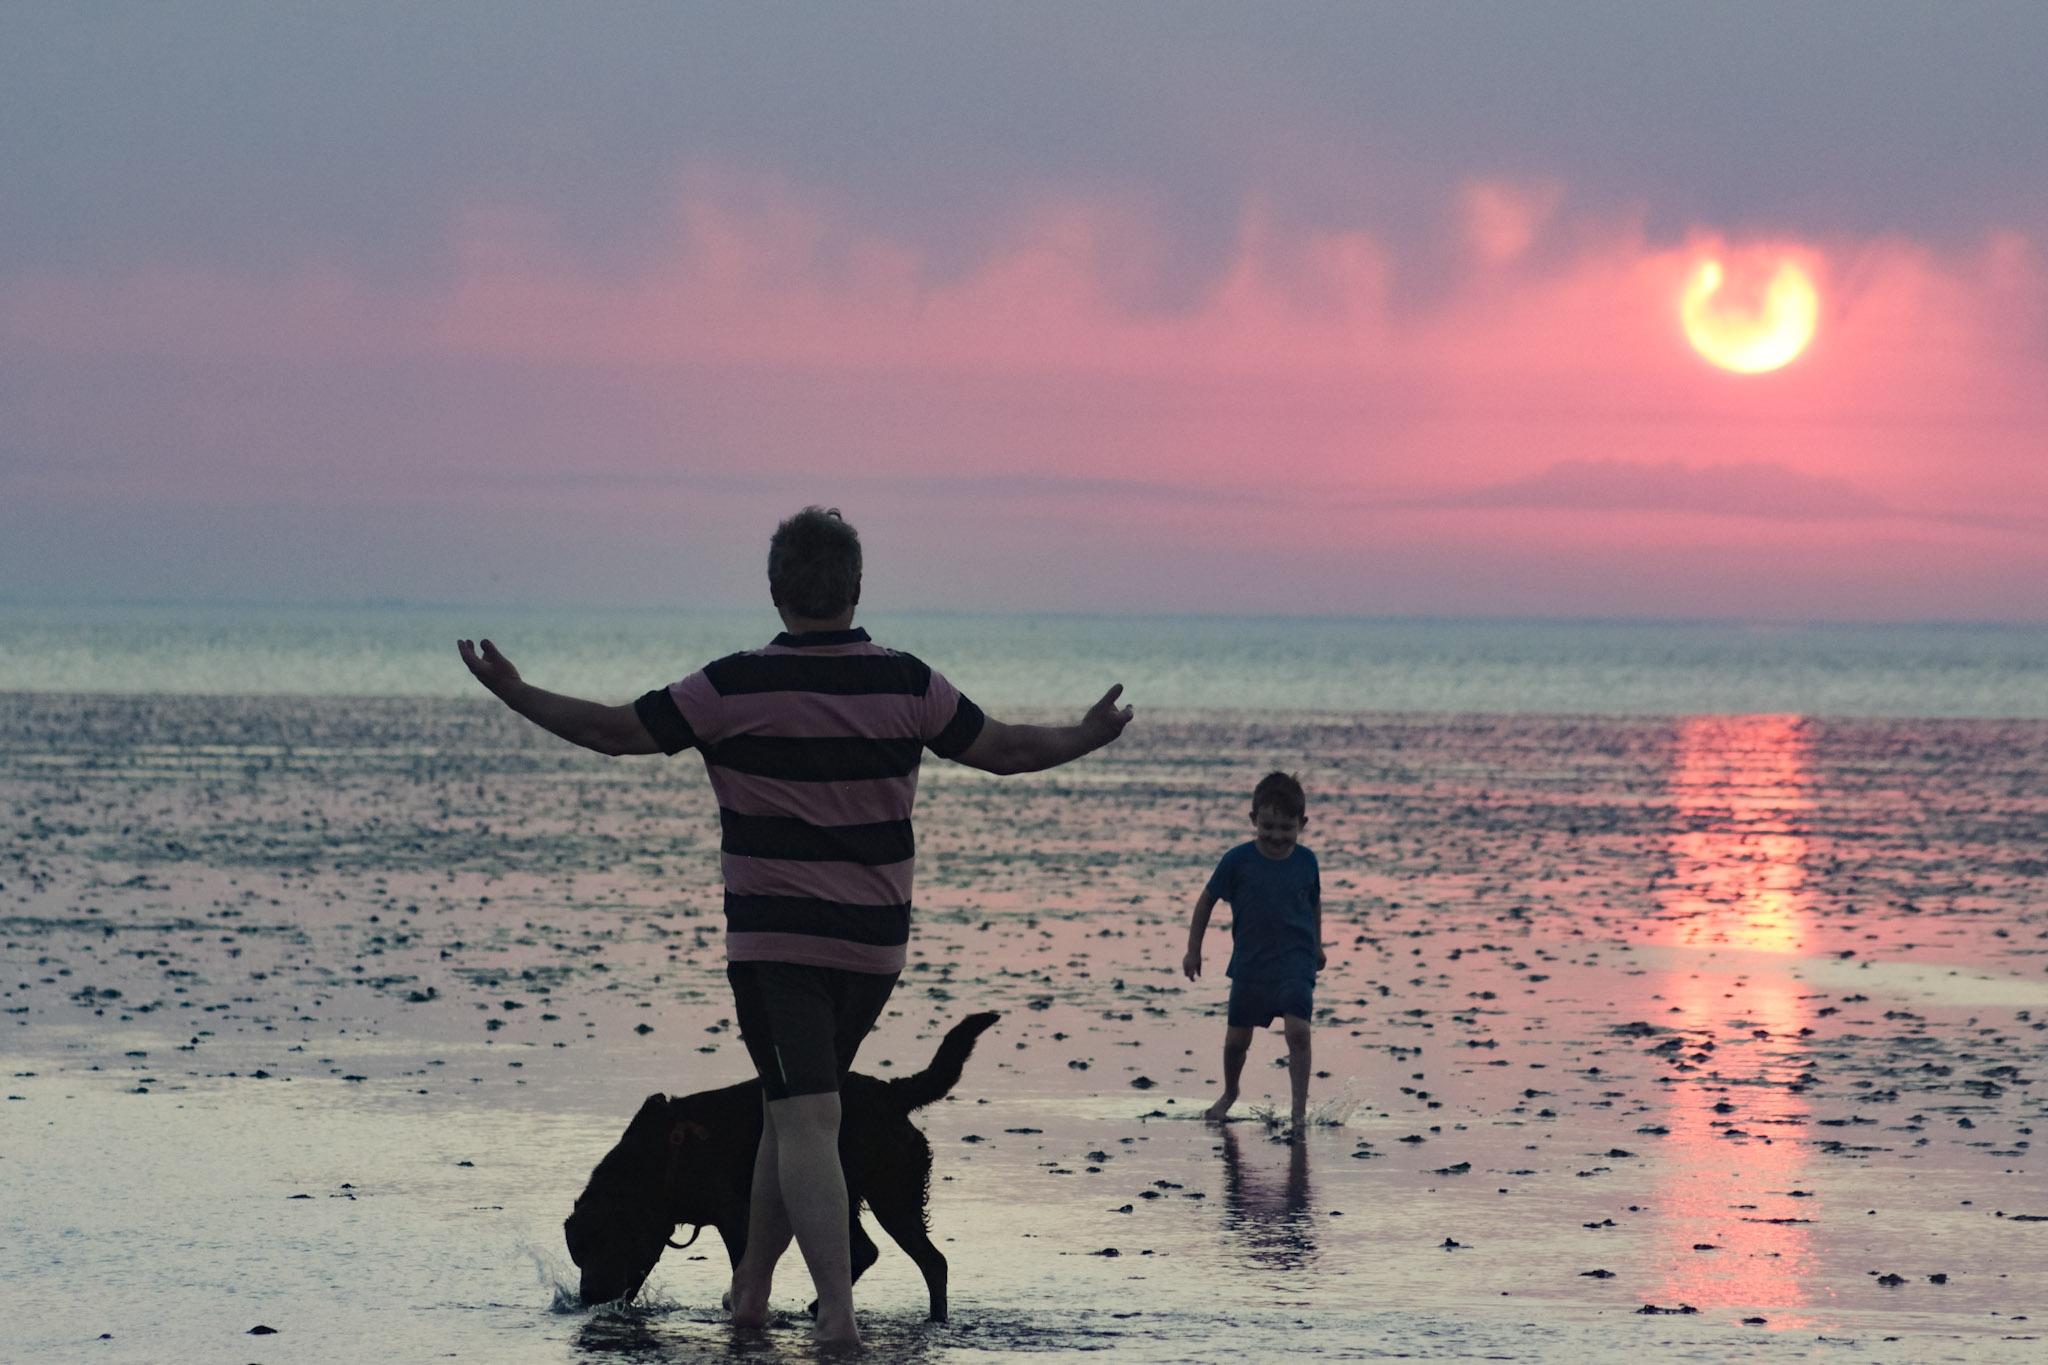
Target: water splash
pixel 559 1282
pixel 1336 1111
pixel 1332 1112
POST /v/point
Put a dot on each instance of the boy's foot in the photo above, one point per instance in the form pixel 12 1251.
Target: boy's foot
pixel 1218 1111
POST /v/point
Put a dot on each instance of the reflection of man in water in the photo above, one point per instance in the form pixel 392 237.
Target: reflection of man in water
pixel 1275 1224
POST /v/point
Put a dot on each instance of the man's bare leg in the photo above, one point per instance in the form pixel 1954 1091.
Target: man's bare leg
pixel 1236 1042
pixel 1298 1065
pixel 814 1205
pixel 767 1234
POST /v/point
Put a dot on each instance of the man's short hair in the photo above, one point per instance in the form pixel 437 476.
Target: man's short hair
pixel 1279 792
pixel 814 564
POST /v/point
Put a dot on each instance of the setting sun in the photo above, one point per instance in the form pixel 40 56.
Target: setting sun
pixel 1749 335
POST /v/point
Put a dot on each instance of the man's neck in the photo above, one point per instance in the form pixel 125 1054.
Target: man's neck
pixel 813 625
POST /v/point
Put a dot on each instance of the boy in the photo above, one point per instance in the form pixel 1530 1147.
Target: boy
pixel 1275 892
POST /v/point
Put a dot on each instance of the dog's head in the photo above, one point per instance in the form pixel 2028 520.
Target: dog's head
pixel 621 1221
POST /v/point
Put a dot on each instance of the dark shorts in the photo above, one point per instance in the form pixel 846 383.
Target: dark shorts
pixel 1255 1004
pixel 802 1025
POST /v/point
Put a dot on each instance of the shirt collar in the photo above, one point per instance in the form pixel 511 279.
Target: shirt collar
pixel 812 639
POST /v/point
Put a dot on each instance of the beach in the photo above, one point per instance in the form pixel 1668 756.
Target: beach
pixel 1597 452
pixel 1685 1038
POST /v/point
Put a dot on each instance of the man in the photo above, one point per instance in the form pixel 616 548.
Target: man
pixel 812 745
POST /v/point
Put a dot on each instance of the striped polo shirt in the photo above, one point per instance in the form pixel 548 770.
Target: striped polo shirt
pixel 812 746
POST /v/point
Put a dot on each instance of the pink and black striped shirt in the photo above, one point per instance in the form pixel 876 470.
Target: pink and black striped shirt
pixel 812 745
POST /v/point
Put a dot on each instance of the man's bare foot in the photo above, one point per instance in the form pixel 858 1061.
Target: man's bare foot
pixel 748 1309
pixel 1218 1111
pixel 838 1335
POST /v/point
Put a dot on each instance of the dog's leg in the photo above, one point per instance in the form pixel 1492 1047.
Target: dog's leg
pixel 862 1246
pixel 734 1234
pixel 905 1224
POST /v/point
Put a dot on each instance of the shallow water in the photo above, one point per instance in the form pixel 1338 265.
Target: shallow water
pixel 1761 1000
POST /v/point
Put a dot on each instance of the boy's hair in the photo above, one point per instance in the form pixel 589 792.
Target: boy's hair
pixel 814 564
pixel 1280 792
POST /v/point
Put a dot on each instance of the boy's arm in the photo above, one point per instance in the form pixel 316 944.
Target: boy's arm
pixel 1322 958
pixel 593 725
pixel 1005 749
pixel 1192 963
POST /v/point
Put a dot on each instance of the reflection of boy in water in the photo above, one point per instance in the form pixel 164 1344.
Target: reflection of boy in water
pixel 1275 892
pixel 1275 1224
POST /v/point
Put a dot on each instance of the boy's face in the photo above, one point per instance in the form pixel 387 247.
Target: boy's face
pixel 1276 832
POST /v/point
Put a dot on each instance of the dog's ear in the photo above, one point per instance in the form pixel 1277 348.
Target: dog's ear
pixel 686 1131
pixel 652 1111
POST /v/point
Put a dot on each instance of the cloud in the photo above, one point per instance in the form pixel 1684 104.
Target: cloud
pixel 1502 219
pixel 236 134
pixel 1296 408
pixel 756 271
pixel 993 488
pixel 1758 489
pixel 1748 489
pixel 772 324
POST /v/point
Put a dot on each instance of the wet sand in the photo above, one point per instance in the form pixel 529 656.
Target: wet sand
pixel 1701 1039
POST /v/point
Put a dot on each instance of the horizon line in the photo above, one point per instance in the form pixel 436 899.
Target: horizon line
pixel 8 602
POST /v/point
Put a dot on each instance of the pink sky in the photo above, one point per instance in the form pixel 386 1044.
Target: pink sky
pixel 1487 408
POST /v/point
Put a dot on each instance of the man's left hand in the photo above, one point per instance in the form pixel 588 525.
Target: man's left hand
pixel 1106 720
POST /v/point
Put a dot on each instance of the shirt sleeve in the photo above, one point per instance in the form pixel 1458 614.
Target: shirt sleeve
pixel 684 715
pixel 664 721
pixel 1223 881
pixel 1315 883
pixel 951 721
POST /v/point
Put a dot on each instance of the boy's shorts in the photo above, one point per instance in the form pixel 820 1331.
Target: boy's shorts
pixel 801 1024
pixel 1255 1004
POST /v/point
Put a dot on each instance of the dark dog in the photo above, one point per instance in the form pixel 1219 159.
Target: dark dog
pixel 691 1160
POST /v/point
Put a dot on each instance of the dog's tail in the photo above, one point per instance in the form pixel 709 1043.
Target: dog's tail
pixel 915 1092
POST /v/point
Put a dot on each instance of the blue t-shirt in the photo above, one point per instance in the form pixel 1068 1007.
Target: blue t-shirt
pixel 1274 904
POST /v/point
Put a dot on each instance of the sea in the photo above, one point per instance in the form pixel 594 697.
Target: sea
pixel 1053 662
pixel 1685 997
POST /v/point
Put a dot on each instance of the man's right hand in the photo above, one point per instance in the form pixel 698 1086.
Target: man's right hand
pixel 1192 963
pixel 492 669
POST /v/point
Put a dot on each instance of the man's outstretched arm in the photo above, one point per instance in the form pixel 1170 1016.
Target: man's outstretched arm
pixel 595 726
pixel 1001 748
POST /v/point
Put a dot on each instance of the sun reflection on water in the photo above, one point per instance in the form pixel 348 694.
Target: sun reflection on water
pixel 1742 788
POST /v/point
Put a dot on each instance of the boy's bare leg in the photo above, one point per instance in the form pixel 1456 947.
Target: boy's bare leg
pixel 1236 1042
pixel 767 1234
pixel 814 1203
pixel 1298 1065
